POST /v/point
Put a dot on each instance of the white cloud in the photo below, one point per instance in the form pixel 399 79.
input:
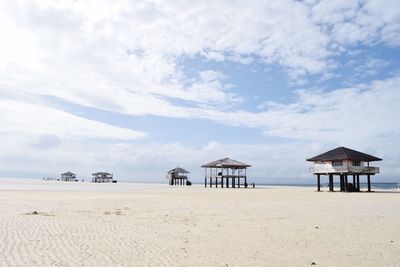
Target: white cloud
pixel 98 53
pixel 37 121
pixel 125 57
pixel 352 115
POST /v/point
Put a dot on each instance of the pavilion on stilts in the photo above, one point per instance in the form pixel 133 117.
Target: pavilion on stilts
pixel 178 176
pixel 226 173
pixel 344 162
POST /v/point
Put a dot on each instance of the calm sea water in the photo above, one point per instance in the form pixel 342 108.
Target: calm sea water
pixel 362 185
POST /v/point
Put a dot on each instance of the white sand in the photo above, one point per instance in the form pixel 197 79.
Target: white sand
pixel 154 225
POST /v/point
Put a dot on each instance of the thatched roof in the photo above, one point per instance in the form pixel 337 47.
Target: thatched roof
pixel 102 173
pixel 68 173
pixel 344 153
pixel 178 170
pixel 226 163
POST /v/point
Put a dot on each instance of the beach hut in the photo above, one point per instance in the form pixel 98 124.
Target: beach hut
pixel 225 172
pixel 344 162
pixel 102 177
pixel 178 176
pixel 68 177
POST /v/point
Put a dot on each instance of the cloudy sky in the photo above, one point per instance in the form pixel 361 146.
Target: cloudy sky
pixel 137 87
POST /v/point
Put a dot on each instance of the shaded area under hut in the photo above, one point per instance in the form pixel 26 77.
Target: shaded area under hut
pixel 226 173
pixel 178 176
pixel 68 177
pixel 103 177
pixel 344 162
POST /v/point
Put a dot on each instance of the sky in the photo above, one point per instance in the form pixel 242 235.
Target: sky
pixel 136 88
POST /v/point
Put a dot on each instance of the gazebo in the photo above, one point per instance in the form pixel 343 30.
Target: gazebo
pixel 102 177
pixel 68 177
pixel 343 162
pixel 178 176
pixel 221 171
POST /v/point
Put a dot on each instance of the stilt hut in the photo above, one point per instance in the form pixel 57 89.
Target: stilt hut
pixel 344 162
pixel 225 172
pixel 178 176
pixel 103 177
pixel 68 177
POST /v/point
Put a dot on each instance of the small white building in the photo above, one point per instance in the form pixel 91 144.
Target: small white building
pixel 343 162
pixel 68 177
pixel 103 177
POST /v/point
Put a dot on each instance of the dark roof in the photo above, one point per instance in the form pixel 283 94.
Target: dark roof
pixel 343 153
pixel 178 170
pixel 226 163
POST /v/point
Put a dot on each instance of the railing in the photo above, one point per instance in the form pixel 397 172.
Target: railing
pixel 169 176
pixel 344 169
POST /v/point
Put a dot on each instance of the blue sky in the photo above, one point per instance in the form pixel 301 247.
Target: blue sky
pixel 137 87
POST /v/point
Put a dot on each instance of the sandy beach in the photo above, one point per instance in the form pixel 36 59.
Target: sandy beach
pixel 82 224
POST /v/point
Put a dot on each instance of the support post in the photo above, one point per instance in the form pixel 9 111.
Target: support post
pixel 358 183
pixel 354 183
pixel 345 183
pixel 369 182
pixel 210 182
pixel 331 182
pixel 318 182
pixel 233 182
pixel 238 182
pixel 205 181
pixel 341 183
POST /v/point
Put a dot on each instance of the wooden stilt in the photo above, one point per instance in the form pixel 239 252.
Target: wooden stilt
pixel 345 183
pixel 227 182
pixel 318 182
pixel 210 182
pixel 354 182
pixel 238 182
pixel 341 183
pixel 369 182
pixel 358 183
pixel 233 182
pixel 331 182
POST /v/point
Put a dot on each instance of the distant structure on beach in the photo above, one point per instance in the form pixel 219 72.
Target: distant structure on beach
pixel 343 162
pixel 103 177
pixel 178 176
pixel 68 177
pixel 225 172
